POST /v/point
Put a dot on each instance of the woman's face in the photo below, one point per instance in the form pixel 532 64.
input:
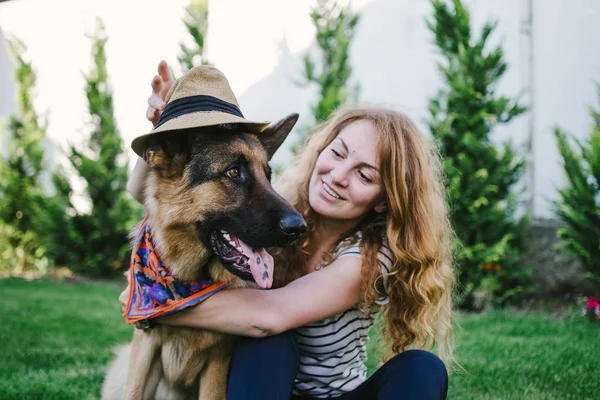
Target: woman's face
pixel 346 184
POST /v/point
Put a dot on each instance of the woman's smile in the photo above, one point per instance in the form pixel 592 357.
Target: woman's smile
pixel 329 193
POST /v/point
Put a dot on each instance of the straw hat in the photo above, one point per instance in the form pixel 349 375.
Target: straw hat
pixel 200 98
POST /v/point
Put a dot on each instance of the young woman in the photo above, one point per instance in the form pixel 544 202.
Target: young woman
pixel 370 188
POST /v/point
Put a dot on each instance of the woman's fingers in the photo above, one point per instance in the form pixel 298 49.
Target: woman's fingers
pixel 156 102
pixel 161 84
pixel 157 84
pixel 152 115
pixel 163 71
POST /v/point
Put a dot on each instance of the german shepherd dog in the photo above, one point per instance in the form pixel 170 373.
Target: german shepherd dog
pixel 206 189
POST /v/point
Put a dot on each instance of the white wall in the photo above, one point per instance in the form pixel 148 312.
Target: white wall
pixel 7 89
pixel 395 62
pixel 56 33
pixel 259 45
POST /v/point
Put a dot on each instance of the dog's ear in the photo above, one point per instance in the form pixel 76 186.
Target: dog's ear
pixel 156 157
pixel 165 156
pixel 272 137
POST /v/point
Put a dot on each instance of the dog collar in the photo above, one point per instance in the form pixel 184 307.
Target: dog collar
pixel 153 290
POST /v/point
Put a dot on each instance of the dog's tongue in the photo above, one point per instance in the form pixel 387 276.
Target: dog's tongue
pixel 261 265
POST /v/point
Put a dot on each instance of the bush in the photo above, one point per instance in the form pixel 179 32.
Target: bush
pixel 481 178
pixel 196 23
pixel 24 223
pixel 335 26
pixel 98 240
pixel 579 204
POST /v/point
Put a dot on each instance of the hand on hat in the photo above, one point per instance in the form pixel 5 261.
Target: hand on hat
pixel 161 84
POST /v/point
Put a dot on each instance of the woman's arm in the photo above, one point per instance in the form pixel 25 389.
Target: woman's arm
pixel 161 84
pixel 253 312
pixel 135 184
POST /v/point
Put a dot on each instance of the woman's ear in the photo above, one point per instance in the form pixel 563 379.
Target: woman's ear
pixel 381 207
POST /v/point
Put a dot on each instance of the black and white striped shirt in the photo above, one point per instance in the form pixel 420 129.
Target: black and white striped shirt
pixel 333 351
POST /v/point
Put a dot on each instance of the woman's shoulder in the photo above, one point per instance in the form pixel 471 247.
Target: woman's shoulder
pixel 349 246
pixel 352 246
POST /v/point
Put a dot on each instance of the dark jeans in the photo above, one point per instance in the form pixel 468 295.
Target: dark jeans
pixel 265 369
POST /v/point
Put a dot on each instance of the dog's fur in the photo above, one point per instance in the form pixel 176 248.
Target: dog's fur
pixel 187 196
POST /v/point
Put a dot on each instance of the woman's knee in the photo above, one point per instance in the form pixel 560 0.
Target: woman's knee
pixel 420 361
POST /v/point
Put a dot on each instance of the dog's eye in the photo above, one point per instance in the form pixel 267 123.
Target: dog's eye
pixel 233 172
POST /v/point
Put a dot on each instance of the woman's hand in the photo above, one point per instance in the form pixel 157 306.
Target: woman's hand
pixel 161 84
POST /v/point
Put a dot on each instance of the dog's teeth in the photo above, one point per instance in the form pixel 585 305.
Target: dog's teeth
pixel 226 236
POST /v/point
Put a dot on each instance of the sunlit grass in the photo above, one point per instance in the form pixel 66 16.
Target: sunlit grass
pixel 56 340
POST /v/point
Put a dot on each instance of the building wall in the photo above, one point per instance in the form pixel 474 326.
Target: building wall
pixel 7 84
pixel 7 90
pixel 394 60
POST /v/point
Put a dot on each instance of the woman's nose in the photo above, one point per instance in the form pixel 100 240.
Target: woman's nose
pixel 339 176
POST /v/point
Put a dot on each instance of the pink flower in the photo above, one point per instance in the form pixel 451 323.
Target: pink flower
pixel 598 311
pixel 592 303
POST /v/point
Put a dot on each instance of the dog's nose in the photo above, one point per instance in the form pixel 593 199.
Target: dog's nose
pixel 292 224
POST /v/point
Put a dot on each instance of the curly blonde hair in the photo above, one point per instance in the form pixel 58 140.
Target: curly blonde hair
pixel 415 225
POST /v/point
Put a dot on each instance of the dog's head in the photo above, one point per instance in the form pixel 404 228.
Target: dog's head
pixel 212 185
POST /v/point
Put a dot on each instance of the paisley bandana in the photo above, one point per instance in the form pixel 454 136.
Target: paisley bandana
pixel 154 291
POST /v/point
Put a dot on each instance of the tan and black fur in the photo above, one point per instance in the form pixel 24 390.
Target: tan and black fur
pixel 188 195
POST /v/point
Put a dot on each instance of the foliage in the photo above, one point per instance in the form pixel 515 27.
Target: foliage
pixel 23 222
pixel 98 242
pixel 335 26
pixel 196 22
pixel 482 178
pixel 579 204
pixel 21 253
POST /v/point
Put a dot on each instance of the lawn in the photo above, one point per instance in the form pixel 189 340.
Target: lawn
pixel 56 340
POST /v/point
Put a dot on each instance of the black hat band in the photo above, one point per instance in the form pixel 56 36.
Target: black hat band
pixel 192 104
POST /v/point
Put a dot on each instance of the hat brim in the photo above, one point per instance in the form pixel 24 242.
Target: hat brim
pixel 197 120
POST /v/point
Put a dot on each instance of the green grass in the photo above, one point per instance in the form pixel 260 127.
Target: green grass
pixel 516 356
pixel 56 340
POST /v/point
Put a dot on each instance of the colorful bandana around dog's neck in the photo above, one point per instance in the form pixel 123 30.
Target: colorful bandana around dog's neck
pixel 153 290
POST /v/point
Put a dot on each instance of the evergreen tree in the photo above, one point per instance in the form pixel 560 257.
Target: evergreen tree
pixel 579 205
pixel 481 178
pixel 335 26
pixel 196 22
pixel 22 217
pixel 99 242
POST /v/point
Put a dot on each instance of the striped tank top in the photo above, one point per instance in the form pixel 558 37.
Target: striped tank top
pixel 333 351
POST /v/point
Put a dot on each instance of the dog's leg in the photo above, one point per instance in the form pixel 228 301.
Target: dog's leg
pixel 213 379
pixel 144 351
pixel 154 377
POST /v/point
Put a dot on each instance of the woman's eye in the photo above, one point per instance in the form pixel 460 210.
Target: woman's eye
pixel 336 153
pixel 233 172
pixel 364 177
